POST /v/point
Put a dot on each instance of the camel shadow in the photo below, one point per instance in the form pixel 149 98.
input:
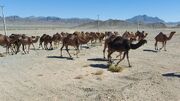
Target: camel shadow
pixel 97 59
pixel 171 75
pixel 102 66
pixel 59 57
pixel 150 50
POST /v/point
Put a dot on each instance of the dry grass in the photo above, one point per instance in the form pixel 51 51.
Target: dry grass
pixel 99 72
pixel 85 65
pixel 114 68
pixel 79 77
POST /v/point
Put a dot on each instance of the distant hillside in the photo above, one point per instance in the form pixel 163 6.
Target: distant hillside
pixel 106 24
pixel 119 24
pixel 145 19
pixel 178 26
pixel 45 20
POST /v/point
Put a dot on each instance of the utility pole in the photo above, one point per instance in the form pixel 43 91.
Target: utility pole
pixel 4 21
pixel 98 22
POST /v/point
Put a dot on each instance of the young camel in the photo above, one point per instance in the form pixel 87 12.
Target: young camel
pixel 120 44
pixel 163 38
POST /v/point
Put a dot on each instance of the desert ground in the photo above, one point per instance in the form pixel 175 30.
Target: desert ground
pixel 42 75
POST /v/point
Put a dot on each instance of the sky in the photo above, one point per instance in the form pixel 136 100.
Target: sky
pixel 168 10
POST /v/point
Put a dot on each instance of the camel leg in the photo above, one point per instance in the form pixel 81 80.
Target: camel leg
pixel 51 47
pixel 62 49
pixel 165 46
pixel 119 55
pixel 128 59
pixel 28 48
pixel 109 56
pixel 77 51
pixel 105 46
pixel 162 46
pixel 121 58
pixel 68 51
pixel 156 47
pixel 24 49
pixel 33 46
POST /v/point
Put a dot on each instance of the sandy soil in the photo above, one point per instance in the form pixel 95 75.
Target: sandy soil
pixel 44 76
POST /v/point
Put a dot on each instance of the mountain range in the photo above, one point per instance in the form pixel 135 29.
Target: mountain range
pixel 143 20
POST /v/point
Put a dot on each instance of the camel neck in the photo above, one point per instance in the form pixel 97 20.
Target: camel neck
pixel 137 45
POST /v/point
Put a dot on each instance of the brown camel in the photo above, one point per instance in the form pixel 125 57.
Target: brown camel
pixel 163 38
pixel 141 35
pixel 25 40
pixel 34 40
pixel 130 36
pixel 120 44
pixel 56 39
pixel 5 42
pixel 70 40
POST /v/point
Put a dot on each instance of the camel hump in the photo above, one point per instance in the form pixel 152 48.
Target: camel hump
pixel 118 39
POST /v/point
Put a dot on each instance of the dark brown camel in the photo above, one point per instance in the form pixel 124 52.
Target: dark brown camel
pixel 163 38
pixel 70 40
pixel 48 39
pixel 15 42
pixel 120 44
pixel 107 40
pixel 42 38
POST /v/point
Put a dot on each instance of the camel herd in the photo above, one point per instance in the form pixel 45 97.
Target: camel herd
pixel 113 42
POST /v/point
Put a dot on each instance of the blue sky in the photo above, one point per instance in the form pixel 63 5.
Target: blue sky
pixel 168 10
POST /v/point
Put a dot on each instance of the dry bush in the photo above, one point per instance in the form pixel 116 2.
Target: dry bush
pixel 114 68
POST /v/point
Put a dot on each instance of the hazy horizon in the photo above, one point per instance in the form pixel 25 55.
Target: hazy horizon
pixel 107 9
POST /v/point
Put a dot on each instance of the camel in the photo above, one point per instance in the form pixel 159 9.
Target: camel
pixel 120 44
pixel 107 40
pixel 46 39
pixel 130 36
pixel 34 40
pixel 163 38
pixel 5 41
pixel 42 38
pixel 25 40
pixel 70 40
pixel 56 39
pixel 15 41
pixel 141 35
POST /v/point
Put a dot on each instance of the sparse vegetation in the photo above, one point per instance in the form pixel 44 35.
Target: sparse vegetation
pixel 114 68
pixel 79 77
pixel 99 72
